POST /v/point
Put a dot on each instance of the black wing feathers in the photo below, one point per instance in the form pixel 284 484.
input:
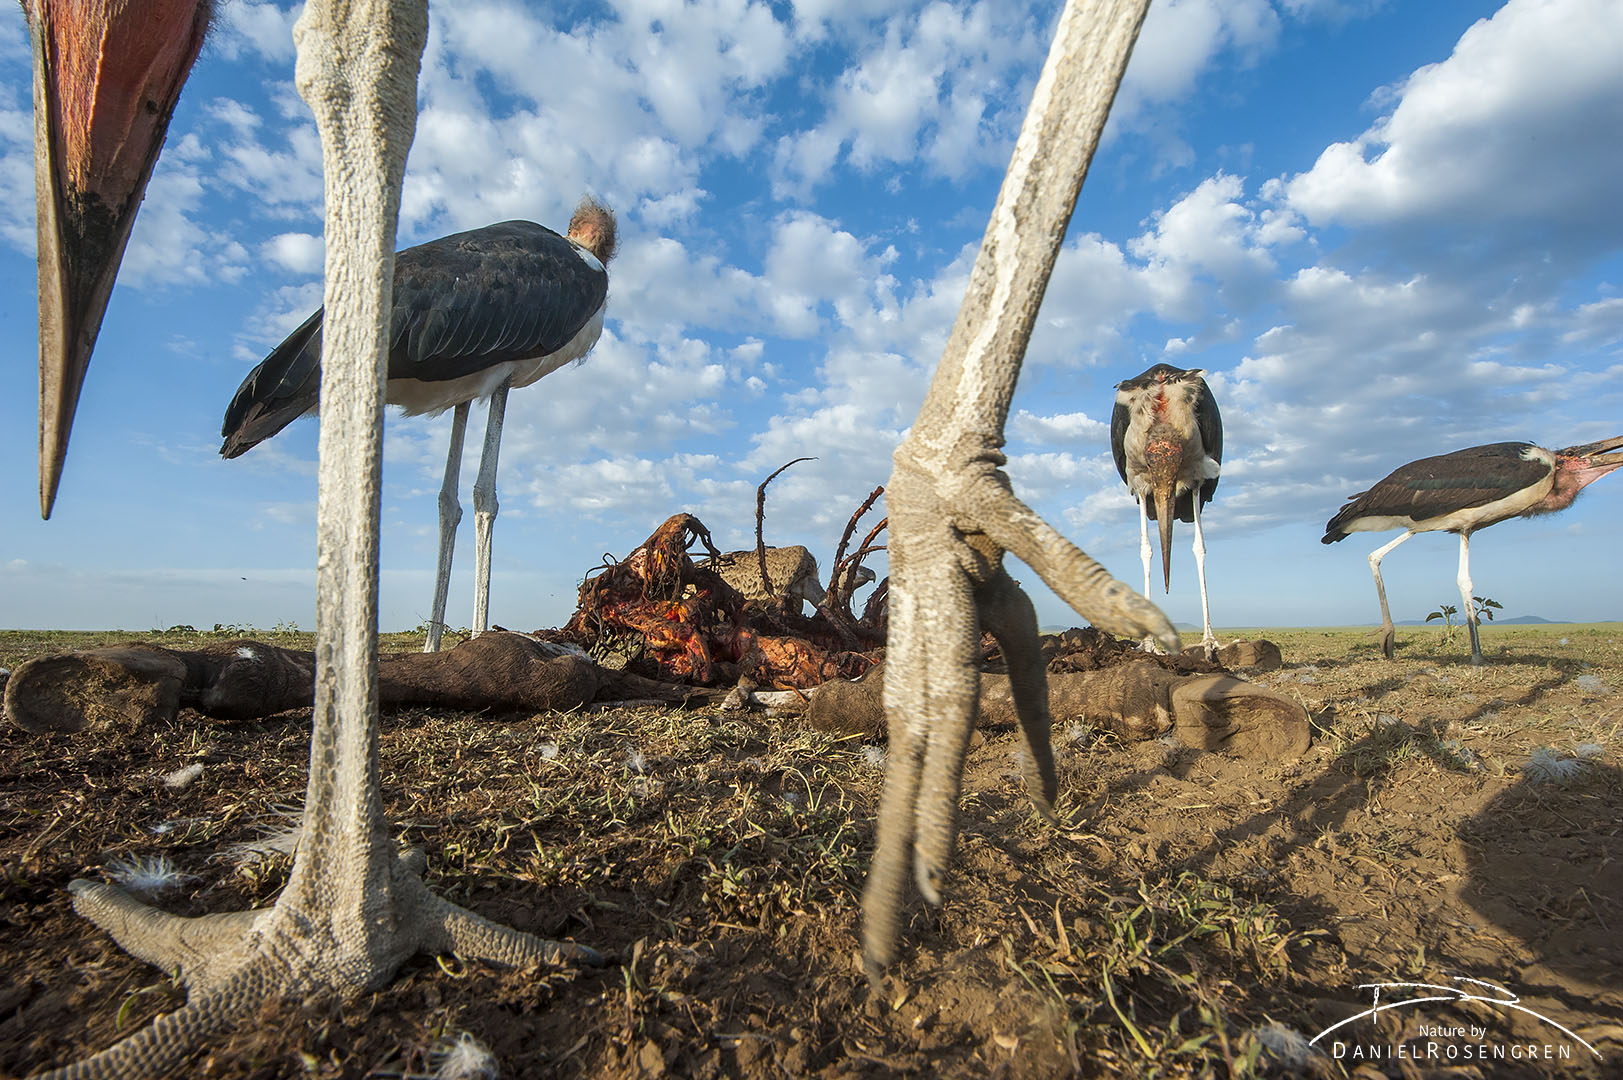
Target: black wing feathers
pixel 1119 420
pixel 462 303
pixel 1210 423
pixel 1435 486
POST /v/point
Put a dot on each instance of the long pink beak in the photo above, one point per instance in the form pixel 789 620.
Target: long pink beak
pixel 107 75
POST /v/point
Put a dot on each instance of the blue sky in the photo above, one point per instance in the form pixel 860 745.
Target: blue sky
pixel 1385 230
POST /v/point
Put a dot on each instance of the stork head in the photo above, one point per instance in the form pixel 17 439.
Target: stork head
pixel 1576 467
pixel 593 228
pixel 107 75
pixel 1160 375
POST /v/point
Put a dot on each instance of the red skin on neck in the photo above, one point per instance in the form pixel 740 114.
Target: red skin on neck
pixel 118 66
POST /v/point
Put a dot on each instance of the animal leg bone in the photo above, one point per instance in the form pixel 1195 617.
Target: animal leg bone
pixel 450 518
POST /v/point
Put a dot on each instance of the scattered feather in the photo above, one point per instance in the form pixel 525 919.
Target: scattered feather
pixel 873 756
pixel 1589 751
pixel 547 749
pixel 1462 755
pixel 181 778
pixel 280 837
pixel 465 1059
pixel 1591 684
pixel 1286 1047
pixel 147 874
pixel 635 762
pixel 1551 766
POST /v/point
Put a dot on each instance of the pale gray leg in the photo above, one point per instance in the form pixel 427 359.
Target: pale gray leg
pixel 1465 597
pixel 1208 641
pixel 450 517
pixel 1145 552
pixel 484 510
pixel 1388 631
pixel 1146 555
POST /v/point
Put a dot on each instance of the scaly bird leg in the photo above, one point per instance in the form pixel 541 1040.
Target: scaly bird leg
pixel 353 910
pixel 1006 611
pixel 484 509
pixel 1388 631
pixel 450 518
pixel 1145 553
pixel 1208 640
pixel 1464 581
pixel 952 511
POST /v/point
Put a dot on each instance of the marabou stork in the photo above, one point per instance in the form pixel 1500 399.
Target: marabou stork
pixel 354 907
pixel 1167 438
pixel 475 314
pixel 1465 491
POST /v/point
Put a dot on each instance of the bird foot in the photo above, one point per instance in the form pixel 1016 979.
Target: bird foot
pixel 947 581
pixel 233 963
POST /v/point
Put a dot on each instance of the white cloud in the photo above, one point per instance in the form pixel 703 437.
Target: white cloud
pixel 297 253
pixel 1514 127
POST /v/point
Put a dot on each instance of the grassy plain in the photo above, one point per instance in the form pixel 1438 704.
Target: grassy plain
pixel 1195 915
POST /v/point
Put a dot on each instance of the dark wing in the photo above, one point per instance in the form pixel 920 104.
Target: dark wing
pixel 1435 486
pixel 1210 422
pixel 462 303
pixel 1118 438
pixel 505 292
pixel 280 390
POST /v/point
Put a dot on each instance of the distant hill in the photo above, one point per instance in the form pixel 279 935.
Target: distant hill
pixel 1519 620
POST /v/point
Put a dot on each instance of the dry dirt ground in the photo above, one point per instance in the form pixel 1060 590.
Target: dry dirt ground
pixel 1197 916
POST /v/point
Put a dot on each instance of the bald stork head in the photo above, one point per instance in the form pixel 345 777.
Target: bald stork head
pixel 107 74
pixel 1576 468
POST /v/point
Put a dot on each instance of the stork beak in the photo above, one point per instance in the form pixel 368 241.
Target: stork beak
pixel 1606 454
pixel 106 79
pixel 1162 492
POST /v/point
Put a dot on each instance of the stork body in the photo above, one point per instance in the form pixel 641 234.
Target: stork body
pixel 1167 437
pixel 475 314
pixel 1465 491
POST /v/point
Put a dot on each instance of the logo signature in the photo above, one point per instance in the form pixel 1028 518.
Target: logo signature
pixel 1385 997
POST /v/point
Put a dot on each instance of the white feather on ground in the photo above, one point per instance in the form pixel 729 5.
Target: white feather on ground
pixel 146 874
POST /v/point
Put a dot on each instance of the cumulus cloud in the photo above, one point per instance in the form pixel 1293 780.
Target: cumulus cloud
pixel 1502 134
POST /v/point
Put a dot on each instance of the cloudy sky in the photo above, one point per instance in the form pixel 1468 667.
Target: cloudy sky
pixel 1384 230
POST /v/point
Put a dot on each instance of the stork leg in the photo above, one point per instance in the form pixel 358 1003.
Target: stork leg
pixel 450 517
pixel 1465 597
pixel 354 909
pixel 1388 631
pixel 1208 640
pixel 953 512
pixel 1146 555
pixel 1145 552
pixel 484 509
